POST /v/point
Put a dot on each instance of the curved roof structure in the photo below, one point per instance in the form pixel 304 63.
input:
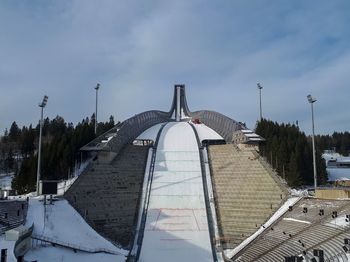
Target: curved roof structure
pixel 131 128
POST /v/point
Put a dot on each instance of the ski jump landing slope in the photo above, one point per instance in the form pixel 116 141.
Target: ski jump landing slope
pixel 176 226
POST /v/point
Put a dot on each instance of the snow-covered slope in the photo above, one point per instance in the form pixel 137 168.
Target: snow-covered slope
pixel 150 133
pixel 176 226
pixel 61 222
pixel 206 133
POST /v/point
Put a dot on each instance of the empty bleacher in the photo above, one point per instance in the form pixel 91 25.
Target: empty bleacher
pixel 12 214
pixel 246 193
pixel 301 230
pixel 107 195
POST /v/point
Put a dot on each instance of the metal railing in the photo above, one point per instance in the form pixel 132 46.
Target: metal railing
pixel 75 247
pixel 206 197
pixel 220 123
pixel 280 181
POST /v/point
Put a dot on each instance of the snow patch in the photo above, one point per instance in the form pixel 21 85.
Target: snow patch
pixel 296 220
pixel 299 192
pixel 5 181
pixel 339 221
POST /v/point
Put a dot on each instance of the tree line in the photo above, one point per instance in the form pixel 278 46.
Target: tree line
pixel 60 149
pixel 289 151
pixel 286 148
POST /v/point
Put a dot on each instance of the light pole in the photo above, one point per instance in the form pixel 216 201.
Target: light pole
pixel 96 88
pixel 260 87
pixel 42 105
pixel 312 101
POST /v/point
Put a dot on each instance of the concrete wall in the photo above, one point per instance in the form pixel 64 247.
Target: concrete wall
pixel 332 193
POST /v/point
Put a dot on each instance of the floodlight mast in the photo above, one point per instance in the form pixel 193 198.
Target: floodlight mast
pixel 260 87
pixel 41 105
pixel 96 88
pixel 312 100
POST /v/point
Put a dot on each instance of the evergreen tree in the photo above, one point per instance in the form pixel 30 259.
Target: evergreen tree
pixel 15 132
pixel 289 150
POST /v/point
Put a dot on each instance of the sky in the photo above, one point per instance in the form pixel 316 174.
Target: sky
pixel 138 51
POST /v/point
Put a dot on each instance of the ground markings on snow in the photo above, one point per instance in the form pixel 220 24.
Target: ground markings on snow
pixel 177 219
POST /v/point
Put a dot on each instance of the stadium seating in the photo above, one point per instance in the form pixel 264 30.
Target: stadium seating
pixel 107 195
pixel 299 233
pixel 246 193
pixel 12 214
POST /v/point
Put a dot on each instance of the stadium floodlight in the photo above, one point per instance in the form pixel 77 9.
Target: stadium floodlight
pixel 44 102
pixel 260 87
pixel 312 100
pixel 96 88
pixel 41 105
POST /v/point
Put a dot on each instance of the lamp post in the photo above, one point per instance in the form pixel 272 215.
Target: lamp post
pixel 260 87
pixel 96 88
pixel 312 101
pixel 41 105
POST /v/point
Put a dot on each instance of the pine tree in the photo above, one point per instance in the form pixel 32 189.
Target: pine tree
pixel 15 132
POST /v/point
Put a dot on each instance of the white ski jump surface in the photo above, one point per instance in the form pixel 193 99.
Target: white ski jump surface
pixel 176 226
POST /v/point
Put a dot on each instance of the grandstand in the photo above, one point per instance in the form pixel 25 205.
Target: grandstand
pixel 312 224
pixel 107 194
pixel 12 214
pixel 246 194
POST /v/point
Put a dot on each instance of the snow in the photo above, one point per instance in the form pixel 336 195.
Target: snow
pixel 298 192
pixel 254 138
pixel 183 115
pixel 64 185
pixel 108 139
pixel 150 133
pixel 296 220
pixel 82 167
pixel 252 135
pixel 9 245
pixel 283 209
pixel 206 133
pixel 62 222
pixel 16 233
pixel 339 221
pixel 176 225
pixel 59 254
pixel 5 181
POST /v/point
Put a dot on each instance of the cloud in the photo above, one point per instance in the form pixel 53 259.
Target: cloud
pixel 138 51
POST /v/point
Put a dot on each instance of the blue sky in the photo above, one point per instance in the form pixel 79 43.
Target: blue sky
pixel 137 51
